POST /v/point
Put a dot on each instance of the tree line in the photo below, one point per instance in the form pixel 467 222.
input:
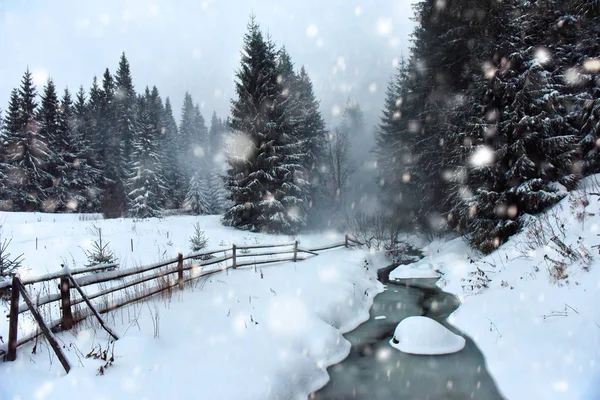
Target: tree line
pixel 114 150
pixel 108 149
pixel 493 117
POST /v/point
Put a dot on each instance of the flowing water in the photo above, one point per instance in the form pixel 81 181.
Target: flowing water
pixel 375 370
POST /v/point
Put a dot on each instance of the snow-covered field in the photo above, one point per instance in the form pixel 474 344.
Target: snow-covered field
pixel 540 335
pixel 238 335
pixel 532 308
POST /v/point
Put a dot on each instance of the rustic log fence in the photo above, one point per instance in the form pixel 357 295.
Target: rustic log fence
pixel 77 279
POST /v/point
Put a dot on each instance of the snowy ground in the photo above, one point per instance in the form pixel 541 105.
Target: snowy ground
pixel 540 334
pixel 237 335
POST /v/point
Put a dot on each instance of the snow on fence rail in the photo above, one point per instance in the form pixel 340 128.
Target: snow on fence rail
pixel 107 273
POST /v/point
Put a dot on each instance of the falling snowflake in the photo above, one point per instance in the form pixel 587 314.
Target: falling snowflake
pixel 312 31
pixel 384 26
pixel 484 155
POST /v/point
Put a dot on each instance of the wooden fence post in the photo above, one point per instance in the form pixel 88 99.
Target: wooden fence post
pixel 180 271
pixel 14 321
pixel 65 297
pixel 233 257
pixel 17 285
pixel 346 241
pixel 295 250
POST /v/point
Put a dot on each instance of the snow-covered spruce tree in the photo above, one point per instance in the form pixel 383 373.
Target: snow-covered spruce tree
pixel 264 177
pixel 171 153
pixel 10 130
pixel 198 241
pixel 5 203
pixel 107 138
pixel 146 184
pixel 125 112
pixel 216 139
pixel 27 104
pixel 54 134
pixel 80 179
pixel 533 145
pixel 192 140
pixel 218 202
pixel 89 175
pixel 94 126
pixel 577 51
pixel 27 154
pixel 11 122
pixel 27 161
pixel 199 139
pixel 8 263
pixel 198 199
pixel 400 196
pixel 186 128
pixel 311 131
pixel 156 112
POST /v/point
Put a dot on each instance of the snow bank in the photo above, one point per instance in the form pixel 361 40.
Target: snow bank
pixel 415 271
pixel 254 334
pixel 425 336
pixel 540 335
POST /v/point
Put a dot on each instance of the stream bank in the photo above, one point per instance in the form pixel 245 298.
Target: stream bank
pixel 375 370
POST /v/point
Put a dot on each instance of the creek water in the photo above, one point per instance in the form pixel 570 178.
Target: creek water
pixel 375 370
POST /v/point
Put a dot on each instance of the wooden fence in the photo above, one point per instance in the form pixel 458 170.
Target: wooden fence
pixel 77 279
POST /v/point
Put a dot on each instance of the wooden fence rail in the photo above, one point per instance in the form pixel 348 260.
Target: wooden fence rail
pixel 69 280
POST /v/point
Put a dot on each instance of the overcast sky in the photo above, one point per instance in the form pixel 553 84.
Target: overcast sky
pixel 348 47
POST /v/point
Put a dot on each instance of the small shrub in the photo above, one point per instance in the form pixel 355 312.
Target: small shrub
pixel 198 241
pixel 8 264
pixel 477 281
pixel 100 252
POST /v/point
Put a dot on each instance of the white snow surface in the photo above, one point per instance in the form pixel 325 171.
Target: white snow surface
pixel 234 336
pixel 415 271
pixel 426 336
pixel 540 336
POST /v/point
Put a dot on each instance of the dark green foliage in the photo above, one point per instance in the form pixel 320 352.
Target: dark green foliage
pixel 146 186
pixel 506 79
pixel 8 263
pixel 198 241
pixel 170 155
pixel 100 253
pixel 265 175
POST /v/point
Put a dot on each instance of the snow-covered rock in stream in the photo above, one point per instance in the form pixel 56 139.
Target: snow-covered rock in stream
pixel 425 336
pixel 415 271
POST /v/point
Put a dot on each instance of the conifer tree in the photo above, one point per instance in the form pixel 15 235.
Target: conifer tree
pixel 28 104
pixel 53 133
pixel 26 152
pixel 115 169
pixel 80 176
pixel 10 131
pixel 394 146
pixel 125 102
pixel 197 199
pixel 186 135
pixel 94 130
pixel 146 184
pixel 216 136
pixel 265 175
pixel 12 122
pixel 171 151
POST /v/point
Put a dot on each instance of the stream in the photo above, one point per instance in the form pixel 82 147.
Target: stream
pixel 375 370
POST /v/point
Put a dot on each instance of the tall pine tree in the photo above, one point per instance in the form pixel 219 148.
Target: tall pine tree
pixel 265 172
